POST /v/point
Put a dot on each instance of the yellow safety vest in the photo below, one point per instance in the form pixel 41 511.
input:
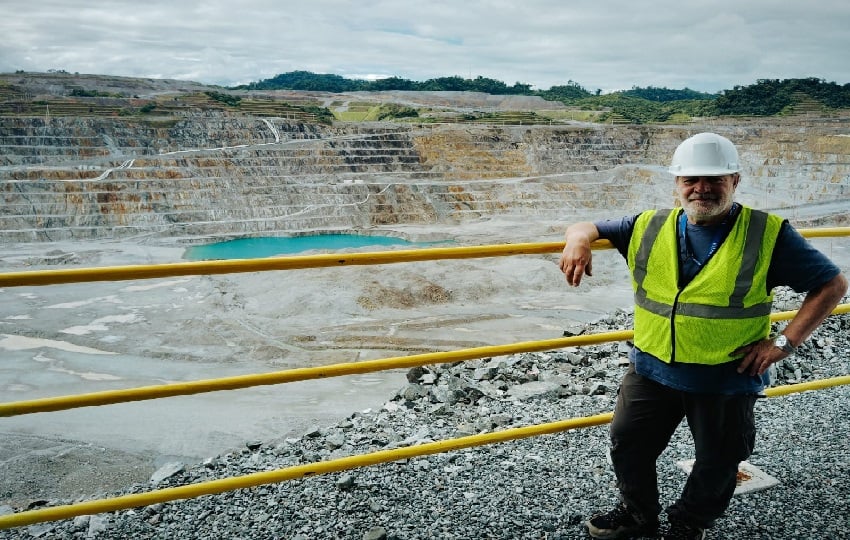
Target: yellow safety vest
pixel 725 306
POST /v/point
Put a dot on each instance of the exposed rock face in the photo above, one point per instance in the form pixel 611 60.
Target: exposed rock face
pixel 215 175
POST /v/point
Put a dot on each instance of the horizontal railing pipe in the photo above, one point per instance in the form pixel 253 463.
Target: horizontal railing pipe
pixel 299 374
pixel 231 266
pixel 109 397
pixel 297 262
pixel 324 467
pixel 819 384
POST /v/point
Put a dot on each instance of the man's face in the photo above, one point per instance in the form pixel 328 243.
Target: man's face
pixel 706 199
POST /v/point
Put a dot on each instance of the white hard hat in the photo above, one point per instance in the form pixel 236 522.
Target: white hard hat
pixel 705 154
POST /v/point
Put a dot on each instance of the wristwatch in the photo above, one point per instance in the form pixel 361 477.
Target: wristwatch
pixel 782 342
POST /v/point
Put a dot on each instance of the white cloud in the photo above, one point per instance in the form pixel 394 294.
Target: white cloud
pixel 611 45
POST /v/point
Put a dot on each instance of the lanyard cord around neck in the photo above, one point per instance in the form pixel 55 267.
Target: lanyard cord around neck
pixel 720 232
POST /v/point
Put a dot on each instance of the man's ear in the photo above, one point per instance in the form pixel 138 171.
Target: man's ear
pixel 735 179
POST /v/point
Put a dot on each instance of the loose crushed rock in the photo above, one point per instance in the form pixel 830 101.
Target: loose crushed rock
pixel 537 488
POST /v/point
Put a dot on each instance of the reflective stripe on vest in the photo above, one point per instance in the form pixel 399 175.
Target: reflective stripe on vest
pixel 726 305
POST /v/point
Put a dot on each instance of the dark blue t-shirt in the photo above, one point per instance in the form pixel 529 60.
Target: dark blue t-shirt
pixel 795 264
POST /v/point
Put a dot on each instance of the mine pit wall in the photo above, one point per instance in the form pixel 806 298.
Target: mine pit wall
pixel 218 176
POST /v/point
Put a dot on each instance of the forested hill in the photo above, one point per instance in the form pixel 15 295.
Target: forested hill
pixel 305 80
pixel 766 97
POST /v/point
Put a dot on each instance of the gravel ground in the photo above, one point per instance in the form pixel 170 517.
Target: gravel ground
pixel 537 488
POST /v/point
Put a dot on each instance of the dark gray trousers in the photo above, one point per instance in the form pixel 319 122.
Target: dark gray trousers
pixel 645 417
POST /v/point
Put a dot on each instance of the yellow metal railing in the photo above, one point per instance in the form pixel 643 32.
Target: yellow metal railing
pixel 298 374
pixel 232 266
pixel 108 397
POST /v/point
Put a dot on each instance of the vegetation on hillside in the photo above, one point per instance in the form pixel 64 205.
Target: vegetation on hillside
pixel 305 80
pixel 644 111
pixel 93 96
pixel 653 93
pixel 390 111
pixel 773 96
pixel 227 99
pixel 567 93
pixel 767 97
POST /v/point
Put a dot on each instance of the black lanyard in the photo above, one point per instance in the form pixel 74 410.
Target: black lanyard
pixel 719 234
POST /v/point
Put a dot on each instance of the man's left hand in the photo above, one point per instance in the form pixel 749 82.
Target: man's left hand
pixel 758 356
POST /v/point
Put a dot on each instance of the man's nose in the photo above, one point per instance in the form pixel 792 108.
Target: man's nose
pixel 702 185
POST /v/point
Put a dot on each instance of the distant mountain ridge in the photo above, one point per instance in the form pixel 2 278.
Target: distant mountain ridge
pixel 767 97
pixel 20 92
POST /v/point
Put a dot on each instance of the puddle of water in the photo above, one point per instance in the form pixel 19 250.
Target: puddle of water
pixel 268 246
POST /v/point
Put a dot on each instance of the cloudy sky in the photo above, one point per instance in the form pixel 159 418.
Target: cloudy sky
pixel 607 45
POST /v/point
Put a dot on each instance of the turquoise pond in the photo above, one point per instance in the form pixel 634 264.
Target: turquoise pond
pixel 268 246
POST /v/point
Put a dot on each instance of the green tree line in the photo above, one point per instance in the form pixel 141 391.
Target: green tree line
pixel 767 97
pixel 773 96
pixel 305 80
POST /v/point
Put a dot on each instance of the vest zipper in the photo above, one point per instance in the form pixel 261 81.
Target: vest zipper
pixel 673 327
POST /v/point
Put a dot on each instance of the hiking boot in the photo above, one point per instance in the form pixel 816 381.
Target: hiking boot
pixel 620 523
pixel 680 530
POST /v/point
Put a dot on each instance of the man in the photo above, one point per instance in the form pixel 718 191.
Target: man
pixel 703 276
